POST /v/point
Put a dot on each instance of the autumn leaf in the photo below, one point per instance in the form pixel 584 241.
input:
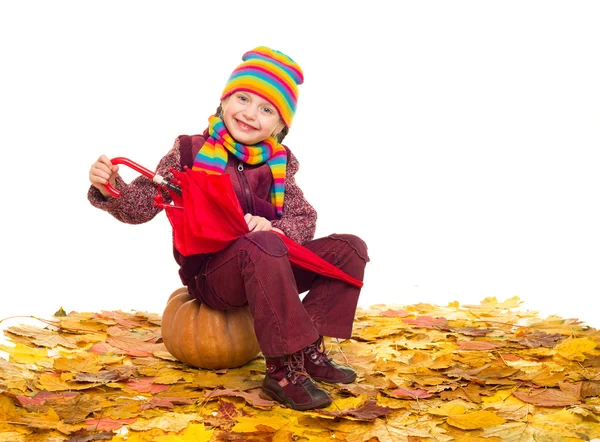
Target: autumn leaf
pixel 435 379
pixel 269 422
pixel 88 363
pixel 471 393
pixel 132 344
pixel 574 348
pixel 474 331
pixel 106 424
pixel 552 397
pixel 368 411
pixel 428 322
pixel 87 436
pixel 538 339
pixel 448 409
pixel 165 402
pixel 105 376
pixel 53 382
pixel 477 345
pixel 475 420
pixel 193 433
pixel 166 421
pixel 145 385
pixel 395 313
pixel 41 397
pixel 43 337
pixel 254 397
pixel 407 393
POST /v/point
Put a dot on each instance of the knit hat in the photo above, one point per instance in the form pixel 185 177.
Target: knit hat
pixel 270 74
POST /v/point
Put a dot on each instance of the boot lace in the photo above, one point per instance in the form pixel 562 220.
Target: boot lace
pixel 317 351
pixel 295 367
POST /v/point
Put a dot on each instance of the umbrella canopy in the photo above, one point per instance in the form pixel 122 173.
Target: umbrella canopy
pixel 207 217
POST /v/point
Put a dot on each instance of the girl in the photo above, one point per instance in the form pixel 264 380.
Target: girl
pixel 243 140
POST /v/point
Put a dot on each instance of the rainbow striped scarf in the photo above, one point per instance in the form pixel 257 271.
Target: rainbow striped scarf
pixel 212 157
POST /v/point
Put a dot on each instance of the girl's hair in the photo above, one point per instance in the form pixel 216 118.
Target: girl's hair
pixel 280 136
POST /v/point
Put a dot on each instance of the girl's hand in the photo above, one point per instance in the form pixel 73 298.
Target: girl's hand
pixel 102 172
pixel 257 223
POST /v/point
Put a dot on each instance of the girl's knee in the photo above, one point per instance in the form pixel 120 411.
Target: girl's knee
pixel 354 242
pixel 268 242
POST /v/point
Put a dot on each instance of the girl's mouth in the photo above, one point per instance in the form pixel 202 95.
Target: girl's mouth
pixel 244 126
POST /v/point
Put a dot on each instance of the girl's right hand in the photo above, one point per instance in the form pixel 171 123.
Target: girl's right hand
pixel 102 172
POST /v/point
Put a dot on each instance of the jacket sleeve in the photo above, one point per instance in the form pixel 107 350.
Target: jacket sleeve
pixel 136 203
pixel 299 218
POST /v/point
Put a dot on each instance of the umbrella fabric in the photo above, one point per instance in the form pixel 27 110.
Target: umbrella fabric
pixel 207 217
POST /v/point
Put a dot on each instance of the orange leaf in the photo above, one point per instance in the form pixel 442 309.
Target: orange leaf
pixel 477 345
pixel 551 397
pixel 145 385
pixel 428 322
pixel 406 393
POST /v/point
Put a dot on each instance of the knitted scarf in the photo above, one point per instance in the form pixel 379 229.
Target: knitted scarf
pixel 212 157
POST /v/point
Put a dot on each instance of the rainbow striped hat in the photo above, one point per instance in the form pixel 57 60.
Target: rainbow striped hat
pixel 270 74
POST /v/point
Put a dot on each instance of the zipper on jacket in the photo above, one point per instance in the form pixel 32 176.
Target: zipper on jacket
pixel 245 187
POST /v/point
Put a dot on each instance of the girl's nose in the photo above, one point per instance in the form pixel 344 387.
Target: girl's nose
pixel 250 112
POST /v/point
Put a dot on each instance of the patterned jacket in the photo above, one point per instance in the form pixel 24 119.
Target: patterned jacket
pixel 252 186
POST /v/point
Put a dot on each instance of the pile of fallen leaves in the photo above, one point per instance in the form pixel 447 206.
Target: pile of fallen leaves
pixel 484 372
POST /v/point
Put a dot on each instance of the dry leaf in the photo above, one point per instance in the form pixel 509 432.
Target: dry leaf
pixel 474 421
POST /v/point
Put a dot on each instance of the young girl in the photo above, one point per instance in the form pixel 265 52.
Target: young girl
pixel 243 140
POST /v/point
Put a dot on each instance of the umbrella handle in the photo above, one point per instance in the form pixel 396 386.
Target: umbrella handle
pixel 135 166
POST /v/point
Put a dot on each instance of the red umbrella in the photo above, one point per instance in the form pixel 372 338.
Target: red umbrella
pixel 206 216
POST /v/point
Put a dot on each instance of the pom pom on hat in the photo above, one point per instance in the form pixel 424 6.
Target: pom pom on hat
pixel 270 74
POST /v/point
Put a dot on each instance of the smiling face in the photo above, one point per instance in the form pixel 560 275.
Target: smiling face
pixel 250 118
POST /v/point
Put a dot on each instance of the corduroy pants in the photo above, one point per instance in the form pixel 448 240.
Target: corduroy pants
pixel 254 270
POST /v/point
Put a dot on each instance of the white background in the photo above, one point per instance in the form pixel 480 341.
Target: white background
pixel 458 138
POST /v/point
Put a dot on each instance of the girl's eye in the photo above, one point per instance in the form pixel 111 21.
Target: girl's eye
pixel 267 110
pixel 242 98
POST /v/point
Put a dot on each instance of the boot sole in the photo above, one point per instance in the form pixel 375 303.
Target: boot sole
pixel 301 407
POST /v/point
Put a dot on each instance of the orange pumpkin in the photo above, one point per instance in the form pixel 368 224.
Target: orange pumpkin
pixel 203 337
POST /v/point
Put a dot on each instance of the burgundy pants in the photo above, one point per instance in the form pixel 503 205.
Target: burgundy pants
pixel 254 270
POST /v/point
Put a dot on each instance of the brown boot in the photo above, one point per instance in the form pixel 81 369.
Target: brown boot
pixel 286 381
pixel 321 368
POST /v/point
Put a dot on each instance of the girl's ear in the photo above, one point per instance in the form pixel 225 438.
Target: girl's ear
pixel 223 106
pixel 278 128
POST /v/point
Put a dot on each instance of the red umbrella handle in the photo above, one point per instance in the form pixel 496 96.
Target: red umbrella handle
pixel 135 166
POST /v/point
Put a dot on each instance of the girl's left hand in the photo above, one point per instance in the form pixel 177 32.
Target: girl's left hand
pixel 257 223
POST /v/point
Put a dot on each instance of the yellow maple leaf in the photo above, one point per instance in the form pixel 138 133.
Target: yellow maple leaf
pixel 51 382
pixel 7 406
pixel 12 436
pixel 170 422
pixel 563 416
pixel 139 436
pixel 23 354
pixel 573 348
pixel 172 376
pixel 452 408
pixel 193 433
pixel 502 397
pixel 274 419
pixel 347 403
pixel 81 323
pixel 476 420
pixel 86 363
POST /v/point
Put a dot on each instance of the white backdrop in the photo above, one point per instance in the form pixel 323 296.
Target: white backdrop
pixel 458 139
